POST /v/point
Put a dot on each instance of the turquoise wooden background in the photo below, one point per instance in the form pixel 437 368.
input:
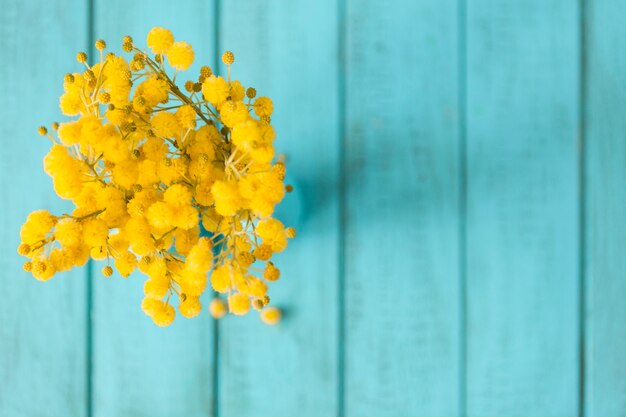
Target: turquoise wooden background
pixel 460 168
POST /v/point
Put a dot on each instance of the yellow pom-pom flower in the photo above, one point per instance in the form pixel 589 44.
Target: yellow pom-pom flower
pixel 176 182
pixel 190 307
pixel 215 90
pixel 160 39
pixel 186 116
pixel 161 313
pixel 166 125
pixel 43 270
pixel 180 55
pixel 222 278
pixel 239 304
pixel 218 308
pixel 263 106
pixel 271 315
pixel 233 113
pixel 68 232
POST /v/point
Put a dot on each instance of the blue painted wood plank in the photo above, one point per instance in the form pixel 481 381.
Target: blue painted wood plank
pixel 605 214
pixel 403 330
pixel 522 208
pixel 42 330
pixel 288 51
pixel 140 369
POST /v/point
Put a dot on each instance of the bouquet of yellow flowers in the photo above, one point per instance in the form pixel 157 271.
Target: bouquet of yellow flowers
pixel 178 184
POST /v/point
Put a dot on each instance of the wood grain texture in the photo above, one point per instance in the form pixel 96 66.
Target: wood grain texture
pixel 288 51
pixel 605 214
pixel 522 201
pixel 453 128
pixel 403 342
pixel 42 324
pixel 140 369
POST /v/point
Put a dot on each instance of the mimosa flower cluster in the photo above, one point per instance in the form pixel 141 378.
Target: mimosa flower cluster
pixel 179 183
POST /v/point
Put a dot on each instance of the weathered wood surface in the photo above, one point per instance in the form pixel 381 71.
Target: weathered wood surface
pixel 403 350
pixel 43 363
pixel 605 210
pixel 288 51
pixel 460 195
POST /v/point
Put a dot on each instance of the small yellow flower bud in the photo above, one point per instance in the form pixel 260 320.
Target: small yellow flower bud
pixel 245 258
pixel 137 188
pixel 266 119
pixel 206 71
pixel 104 97
pixel 107 271
pixel 127 46
pixel 111 107
pixel 89 75
pixel 109 56
pixel 134 66
pixel 263 252
pixel 257 304
pixel 189 86
pixel 81 57
pixel 100 44
pixel 28 266
pixel 228 57
pixel 145 260
pixel 42 130
pixel 135 154
pixel 251 92
pixel 280 170
pixel 69 78
pixel 158 58
pixel 127 39
pixel 290 232
pixel 217 308
pixel 271 315
pixel 23 249
pixel 271 273
pixel 55 125
pixel 197 87
pixel 288 188
pixel 39 267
